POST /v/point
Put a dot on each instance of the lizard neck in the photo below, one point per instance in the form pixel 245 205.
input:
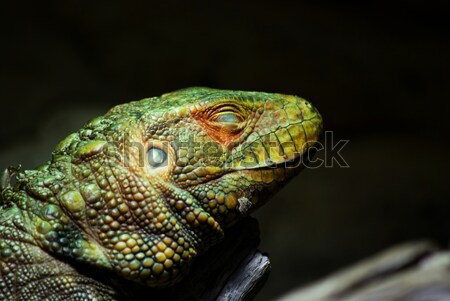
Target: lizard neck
pixel 45 222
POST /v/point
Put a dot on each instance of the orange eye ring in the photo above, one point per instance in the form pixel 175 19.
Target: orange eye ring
pixel 224 122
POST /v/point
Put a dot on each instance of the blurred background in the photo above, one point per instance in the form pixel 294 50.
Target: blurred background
pixel 377 71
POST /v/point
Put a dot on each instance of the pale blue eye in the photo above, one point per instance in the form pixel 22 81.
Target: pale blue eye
pixel 156 157
pixel 227 118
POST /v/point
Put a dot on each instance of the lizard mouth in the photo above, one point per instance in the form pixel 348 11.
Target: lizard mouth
pixel 298 161
pixel 268 179
pixel 301 160
pixel 288 168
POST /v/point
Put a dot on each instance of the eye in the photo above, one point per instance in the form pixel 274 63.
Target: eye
pixel 228 117
pixel 156 157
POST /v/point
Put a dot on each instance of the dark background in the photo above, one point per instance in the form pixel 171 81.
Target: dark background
pixel 379 73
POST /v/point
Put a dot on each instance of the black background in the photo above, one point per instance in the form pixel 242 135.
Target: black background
pixel 377 71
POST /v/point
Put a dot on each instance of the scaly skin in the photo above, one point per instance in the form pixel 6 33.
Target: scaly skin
pixel 102 203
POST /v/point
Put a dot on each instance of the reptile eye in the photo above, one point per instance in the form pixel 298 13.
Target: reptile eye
pixel 228 117
pixel 156 157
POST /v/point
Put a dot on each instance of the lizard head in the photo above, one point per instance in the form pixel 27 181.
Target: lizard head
pixel 153 183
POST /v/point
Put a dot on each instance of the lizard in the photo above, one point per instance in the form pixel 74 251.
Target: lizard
pixel 144 189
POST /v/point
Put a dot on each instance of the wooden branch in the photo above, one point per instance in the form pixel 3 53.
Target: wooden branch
pixel 414 271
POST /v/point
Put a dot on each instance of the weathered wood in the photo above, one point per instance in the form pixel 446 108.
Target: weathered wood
pixel 415 271
pixel 247 279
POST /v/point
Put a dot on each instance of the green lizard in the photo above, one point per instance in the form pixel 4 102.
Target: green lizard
pixel 144 189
